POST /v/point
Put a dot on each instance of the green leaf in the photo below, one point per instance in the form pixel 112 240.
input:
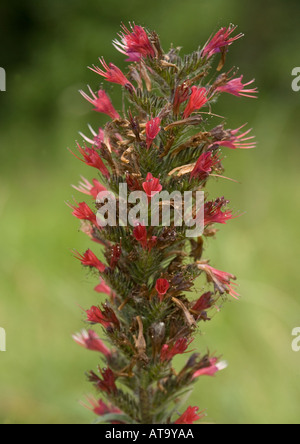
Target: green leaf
pixel 114 417
pixel 164 413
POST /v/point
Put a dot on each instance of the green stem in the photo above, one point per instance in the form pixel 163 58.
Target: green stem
pixel 144 398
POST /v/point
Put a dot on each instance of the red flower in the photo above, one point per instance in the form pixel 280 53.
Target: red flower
pixel 87 188
pixel 204 165
pixel 101 103
pixel 221 279
pixel 152 130
pixel 112 73
pixel 106 317
pixel 83 212
pixel 203 303
pixel 111 317
pixel 190 416
pixel 221 40
pixel 95 316
pixel 100 408
pixel 213 212
pixel 152 186
pixel 197 100
pixel 162 287
pixel 92 158
pixel 107 383
pixel 135 43
pixel 89 259
pixel 140 234
pixel 91 341
pixel 181 95
pixel 238 141
pixel 168 352
pixel 212 369
pixel 237 88
pixel 103 288
pixel 97 138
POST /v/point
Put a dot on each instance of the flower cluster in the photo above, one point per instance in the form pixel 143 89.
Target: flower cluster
pixel 161 141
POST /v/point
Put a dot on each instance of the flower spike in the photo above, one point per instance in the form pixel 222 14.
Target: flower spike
pixel 154 165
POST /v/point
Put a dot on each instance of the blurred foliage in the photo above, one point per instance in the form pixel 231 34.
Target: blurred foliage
pixel 45 49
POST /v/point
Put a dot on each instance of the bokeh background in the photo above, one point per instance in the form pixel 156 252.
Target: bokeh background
pixel 45 49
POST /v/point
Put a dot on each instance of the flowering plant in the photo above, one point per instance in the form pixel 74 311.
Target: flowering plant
pixel 163 140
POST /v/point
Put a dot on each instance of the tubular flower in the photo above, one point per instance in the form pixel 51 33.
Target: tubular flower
pixel 91 341
pixel 89 259
pixel 87 188
pixel 110 316
pixel 221 40
pixel 198 99
pixel 190 416
pixel 97 139
pixel 100 408
pixel 237 88
pixel 135 43
pixel 181 95
pixel 152 130
pixel 204 165
pixel 108 382
pixel 221 280
pixel 168 352
pixel 151 186
pixel 212 369
pixel 111 73
pixel 238 141
pixel 213 212
pixel 204 302
pixel 103 288
pixel 91 158
pixel 102 103
pixel 83 212
pixel 105 317
pixel 95 316
pixel 141 235
pixel 162 286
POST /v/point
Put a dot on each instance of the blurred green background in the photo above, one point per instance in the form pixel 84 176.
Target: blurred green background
pixel 45 49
